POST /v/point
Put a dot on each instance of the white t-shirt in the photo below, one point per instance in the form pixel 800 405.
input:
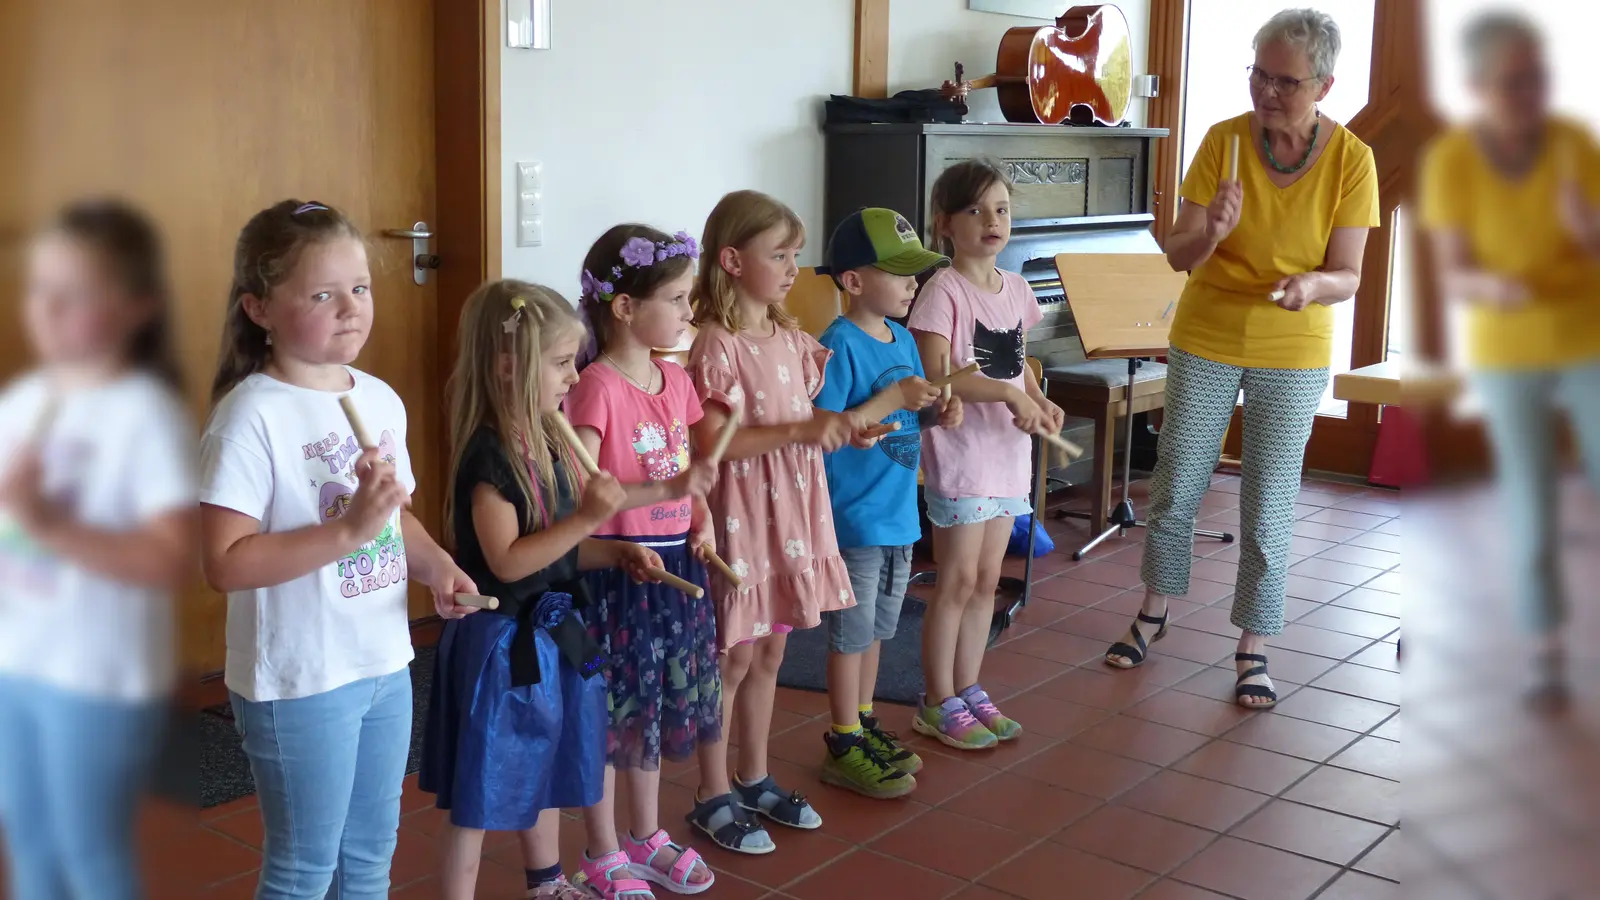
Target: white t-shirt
pixel 115 456
pixel 285 456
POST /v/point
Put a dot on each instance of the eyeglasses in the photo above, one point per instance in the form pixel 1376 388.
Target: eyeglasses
pixel 1281 84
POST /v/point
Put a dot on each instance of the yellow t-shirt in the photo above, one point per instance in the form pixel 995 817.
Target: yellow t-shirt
pixel 1512 228
pixel 1224 314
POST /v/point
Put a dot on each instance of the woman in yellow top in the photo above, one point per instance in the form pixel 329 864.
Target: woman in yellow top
pixel 1509 199
pixel 1268 254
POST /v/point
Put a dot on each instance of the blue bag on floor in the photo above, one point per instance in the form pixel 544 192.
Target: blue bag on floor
pixel 1018 545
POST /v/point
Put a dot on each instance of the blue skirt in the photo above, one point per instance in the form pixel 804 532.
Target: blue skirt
pixel 495 755
pixel 663 674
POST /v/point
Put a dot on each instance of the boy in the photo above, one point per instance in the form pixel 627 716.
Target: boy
pixel 874 256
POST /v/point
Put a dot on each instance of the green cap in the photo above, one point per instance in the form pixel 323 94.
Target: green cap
pixel 878 237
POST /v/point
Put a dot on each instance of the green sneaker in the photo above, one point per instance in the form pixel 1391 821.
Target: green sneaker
pixel 852 764
pixel 887 745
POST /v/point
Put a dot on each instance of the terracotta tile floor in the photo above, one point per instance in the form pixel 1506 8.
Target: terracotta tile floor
pixel 1145 784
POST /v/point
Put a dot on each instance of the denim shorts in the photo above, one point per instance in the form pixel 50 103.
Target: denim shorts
pixel 878 575
pixel 948 512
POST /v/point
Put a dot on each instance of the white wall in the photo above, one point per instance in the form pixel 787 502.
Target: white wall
pixel 650 111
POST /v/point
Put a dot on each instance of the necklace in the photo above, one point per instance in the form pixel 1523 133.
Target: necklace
pixel 624 372
pixel 1273 161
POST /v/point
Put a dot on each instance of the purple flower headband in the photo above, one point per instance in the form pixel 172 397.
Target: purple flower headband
pixel 639 253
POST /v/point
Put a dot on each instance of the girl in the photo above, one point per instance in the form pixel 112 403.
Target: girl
pixel 977 474
pixel 309 535
pixel 632 413
pixel 94 540
pixel 516 729
pixel 771 500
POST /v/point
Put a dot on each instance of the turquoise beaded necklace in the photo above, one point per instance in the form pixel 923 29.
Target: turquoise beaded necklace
pixel 1289 170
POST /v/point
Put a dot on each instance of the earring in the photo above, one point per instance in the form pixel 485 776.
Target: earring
pixel 269 339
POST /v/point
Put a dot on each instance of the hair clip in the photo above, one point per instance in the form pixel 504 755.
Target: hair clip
pixel 308 207
pixel 517 306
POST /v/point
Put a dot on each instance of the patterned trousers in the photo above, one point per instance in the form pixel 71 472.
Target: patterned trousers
pixel 1279 407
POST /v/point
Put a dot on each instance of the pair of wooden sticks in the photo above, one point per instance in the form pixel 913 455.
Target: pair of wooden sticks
pixel 1072 450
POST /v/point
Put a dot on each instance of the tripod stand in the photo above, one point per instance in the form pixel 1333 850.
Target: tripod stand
pixel 1122 516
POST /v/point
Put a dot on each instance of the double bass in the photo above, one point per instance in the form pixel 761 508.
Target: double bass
pixel 1079 68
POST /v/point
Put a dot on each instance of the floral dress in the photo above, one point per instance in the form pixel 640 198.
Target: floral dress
pixel 773 518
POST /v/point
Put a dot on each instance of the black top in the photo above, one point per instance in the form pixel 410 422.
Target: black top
pixel 485 462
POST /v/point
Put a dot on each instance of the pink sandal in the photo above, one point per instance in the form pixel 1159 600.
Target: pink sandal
pixel 643 854
pixel 609 878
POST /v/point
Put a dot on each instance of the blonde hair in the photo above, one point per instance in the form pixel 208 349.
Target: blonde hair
pixel 482 396
pixel 738 219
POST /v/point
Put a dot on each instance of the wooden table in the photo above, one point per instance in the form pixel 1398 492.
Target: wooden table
pixel 1410 389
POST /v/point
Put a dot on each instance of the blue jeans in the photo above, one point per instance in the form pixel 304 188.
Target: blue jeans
pixel 328 771
pixel 72 773
pixel 1520 408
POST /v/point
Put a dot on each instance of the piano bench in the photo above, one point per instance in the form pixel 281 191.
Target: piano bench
pixel 1097 390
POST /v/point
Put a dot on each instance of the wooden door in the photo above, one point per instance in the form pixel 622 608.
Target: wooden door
pixel 203 112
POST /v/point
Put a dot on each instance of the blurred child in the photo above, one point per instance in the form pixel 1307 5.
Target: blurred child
pixel 874 256
pixel 97 524
pixel 310 536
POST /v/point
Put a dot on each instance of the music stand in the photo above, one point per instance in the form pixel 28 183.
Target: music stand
pixel 1122 304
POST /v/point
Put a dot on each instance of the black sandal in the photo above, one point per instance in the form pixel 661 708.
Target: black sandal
pixel 737 834
pixel 790 809
pixel 1136 654
pixel 1242 690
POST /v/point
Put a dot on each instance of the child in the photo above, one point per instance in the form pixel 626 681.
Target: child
pixel 976 475
pixel 633 415
pixel 96 534
pixel 771 499
pixel 873 256
pixel 309 536
pixel 517 725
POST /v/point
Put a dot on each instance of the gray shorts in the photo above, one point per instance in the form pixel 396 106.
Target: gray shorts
pixel 878 575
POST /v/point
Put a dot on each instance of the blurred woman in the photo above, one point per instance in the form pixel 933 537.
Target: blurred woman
pixel 1510 198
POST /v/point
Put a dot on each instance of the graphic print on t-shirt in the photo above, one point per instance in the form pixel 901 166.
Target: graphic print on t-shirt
pixel 998 353
pixel 903 446
pixel 380 562
pixel 662 454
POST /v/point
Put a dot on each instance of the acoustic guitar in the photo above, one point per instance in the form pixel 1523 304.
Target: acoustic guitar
pixel 1080 68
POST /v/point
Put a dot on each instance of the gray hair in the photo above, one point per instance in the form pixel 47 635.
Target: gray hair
pixel 1487 33
pixel 1313 32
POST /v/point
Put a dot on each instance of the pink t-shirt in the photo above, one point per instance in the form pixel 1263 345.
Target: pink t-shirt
pixel 643 437
pixel 987 456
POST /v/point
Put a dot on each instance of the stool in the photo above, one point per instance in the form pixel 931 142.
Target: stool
pixel 1097 389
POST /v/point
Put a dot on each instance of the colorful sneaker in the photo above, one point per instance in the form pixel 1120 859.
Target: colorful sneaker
pixel 852 764
pixel 953 724
pixel 983 709
pixel 558 888
pixel 887 745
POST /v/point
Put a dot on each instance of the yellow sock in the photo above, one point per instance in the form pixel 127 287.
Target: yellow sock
pixel 865 709
pixel 847 729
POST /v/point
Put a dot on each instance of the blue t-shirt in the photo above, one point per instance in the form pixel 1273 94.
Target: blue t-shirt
pixel 874 491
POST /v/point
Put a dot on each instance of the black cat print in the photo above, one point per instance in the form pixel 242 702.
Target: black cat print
pixel 999 354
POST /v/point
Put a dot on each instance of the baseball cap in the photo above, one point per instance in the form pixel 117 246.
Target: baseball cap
pixel 878 237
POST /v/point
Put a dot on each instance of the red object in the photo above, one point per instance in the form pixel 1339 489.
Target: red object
pixel 1400 459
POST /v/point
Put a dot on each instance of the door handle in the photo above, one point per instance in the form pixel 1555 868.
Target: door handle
pixel 421 260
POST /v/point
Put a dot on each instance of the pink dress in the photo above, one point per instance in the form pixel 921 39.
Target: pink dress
pixel 773 517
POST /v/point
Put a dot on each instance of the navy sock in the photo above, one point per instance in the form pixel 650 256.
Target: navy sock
pixel 537 877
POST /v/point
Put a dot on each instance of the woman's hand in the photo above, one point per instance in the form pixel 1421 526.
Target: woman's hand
pixel 1296 291
pixel 830 430
pixel 1577 216
pixel 22 489
pixel 378 494
pixel 635 559
pixel 951 413
pixel 1503 293
pixel 1222 216
pixel 603 498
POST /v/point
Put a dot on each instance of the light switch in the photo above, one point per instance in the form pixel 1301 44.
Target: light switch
pixel 530 204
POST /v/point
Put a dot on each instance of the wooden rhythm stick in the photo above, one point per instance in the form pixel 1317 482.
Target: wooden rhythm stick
pixel 725 437
pixel 578 450
pixel 880 429
pixel 477 601
pixel 1275 296
pixel 1233 164
pixel 363 437
pixel 721 566
pixel 944 393
pixel 950 377
pixel 1072 450
pixel 673 581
